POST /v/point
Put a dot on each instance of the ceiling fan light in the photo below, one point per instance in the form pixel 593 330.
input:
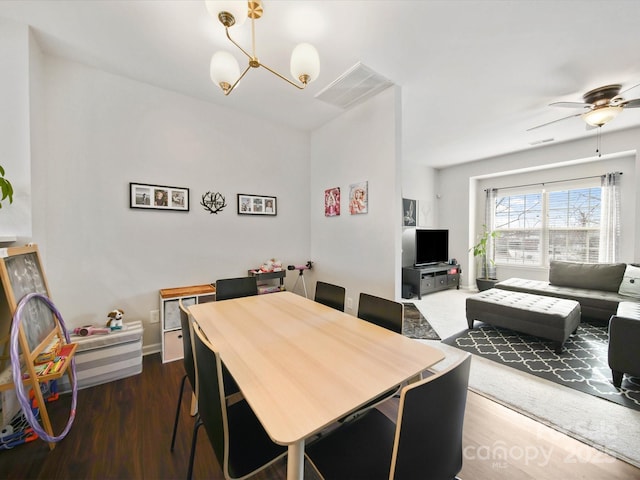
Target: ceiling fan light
pixel 305 63
pixel 224 69
pixel 599 116
pixel 237 8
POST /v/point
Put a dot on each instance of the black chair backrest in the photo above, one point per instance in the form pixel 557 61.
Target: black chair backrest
pixel 330 295
pixel 382 312
pixel 189 366
pixel 430 421
pixel 227 288
pixel 211 402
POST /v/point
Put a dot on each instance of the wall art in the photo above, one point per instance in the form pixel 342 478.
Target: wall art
pixel 158 197
pixel 332 202
pixel 213 202
pixel 256 205
pixel 358 198
pixel 409 212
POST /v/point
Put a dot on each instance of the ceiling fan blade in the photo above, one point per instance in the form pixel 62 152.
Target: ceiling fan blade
pixel 635 103
pixel 570 104
pixel 553 121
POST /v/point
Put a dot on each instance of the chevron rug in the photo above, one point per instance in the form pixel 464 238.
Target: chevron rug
pixel 582 366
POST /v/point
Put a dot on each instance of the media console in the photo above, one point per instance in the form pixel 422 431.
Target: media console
pixel 432 278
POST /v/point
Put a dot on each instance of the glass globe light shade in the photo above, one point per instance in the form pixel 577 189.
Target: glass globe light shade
pixel 305 61
pixel 238 8
pixel 599 116
pixel 224 68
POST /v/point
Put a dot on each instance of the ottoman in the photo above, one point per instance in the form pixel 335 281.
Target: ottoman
pixel 546 317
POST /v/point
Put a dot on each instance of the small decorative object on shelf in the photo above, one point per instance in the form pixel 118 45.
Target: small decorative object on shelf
pixel 115 319
pixel 213 202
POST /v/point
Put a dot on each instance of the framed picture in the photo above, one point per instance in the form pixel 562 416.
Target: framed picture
pixel 358 198
pixel 409 212
pixel 158 197
pixel 332 202
pixel 256 205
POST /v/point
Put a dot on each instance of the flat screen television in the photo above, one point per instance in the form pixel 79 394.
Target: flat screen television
pixel 432 247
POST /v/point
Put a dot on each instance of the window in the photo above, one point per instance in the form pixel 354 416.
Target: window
pixel 538 226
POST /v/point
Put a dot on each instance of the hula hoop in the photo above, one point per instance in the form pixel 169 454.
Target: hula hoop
pixel 17 374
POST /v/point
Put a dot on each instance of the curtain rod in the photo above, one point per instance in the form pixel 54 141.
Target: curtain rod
pixel 552 181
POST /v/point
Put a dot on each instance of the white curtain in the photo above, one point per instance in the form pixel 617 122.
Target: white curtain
pixel 609 218
pixel 489 222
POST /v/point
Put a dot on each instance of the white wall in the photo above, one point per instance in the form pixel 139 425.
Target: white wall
pixel 459 186
pixel 417 184
pixel 15 219
pixel 359 252
pixel 101 132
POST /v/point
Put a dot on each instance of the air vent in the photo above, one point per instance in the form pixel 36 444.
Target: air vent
pixel 354 86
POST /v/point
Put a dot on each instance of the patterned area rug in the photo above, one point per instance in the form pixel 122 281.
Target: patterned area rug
pixel 582 365
pixel 415 325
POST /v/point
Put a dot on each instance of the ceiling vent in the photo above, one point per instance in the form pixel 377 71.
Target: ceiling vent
pixel 353 86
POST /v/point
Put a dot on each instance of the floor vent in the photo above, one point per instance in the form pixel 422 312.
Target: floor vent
pixel 354 86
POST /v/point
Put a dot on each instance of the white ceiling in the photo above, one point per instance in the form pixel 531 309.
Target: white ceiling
pixel 474 75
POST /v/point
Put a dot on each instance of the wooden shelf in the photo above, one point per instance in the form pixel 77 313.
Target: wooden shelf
pixel 186 291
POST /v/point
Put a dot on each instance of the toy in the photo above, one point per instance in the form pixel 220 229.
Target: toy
pixel 115 319
pixel 272 265
pixel 89 330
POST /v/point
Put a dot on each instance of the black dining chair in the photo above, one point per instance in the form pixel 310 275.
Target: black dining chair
pixel 227 288
pixel 425 441
pixel 330 295
pixel 189 367
pixel 380 311
pixel 231 387
pixel 239 441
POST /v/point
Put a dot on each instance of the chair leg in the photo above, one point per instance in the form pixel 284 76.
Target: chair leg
pixel 192 455
pixel 175 423
pixel 617 378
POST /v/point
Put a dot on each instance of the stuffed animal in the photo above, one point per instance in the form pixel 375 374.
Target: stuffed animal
pixel 115 319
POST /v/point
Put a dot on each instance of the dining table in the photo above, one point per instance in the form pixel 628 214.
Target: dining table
pixel 302 366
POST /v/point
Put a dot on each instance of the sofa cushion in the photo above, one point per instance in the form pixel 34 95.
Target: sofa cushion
pixel 592 276
pixel 630 282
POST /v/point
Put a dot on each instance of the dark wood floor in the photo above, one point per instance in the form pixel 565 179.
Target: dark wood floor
pixel 123 431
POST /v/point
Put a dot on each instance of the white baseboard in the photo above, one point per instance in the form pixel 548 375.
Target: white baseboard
pixel 150 349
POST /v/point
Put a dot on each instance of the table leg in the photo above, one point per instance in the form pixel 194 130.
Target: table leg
pixel 295 461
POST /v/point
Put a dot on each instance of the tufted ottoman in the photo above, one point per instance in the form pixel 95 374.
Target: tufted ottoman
pixel 547 317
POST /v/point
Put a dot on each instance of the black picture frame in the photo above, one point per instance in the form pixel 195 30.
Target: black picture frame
pixel 264 205
pixel 158 197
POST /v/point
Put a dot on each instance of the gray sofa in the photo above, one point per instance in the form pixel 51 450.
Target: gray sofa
pixel 595 287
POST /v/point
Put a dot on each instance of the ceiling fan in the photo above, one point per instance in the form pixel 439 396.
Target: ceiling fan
pixel 600 105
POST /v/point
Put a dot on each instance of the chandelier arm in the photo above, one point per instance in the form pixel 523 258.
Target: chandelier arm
pixel 227 92
pixel 239 47
pixel 284 78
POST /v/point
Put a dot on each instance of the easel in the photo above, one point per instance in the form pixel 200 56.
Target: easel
pixel 20 274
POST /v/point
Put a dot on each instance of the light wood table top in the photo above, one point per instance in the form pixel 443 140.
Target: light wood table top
pixel 302 365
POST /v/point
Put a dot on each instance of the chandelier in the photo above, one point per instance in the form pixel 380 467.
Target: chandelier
pixel 225 71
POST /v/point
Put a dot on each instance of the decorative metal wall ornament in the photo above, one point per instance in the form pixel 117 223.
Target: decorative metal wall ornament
pixel 213 202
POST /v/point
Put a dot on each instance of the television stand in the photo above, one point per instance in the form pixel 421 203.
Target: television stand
pixel 431 278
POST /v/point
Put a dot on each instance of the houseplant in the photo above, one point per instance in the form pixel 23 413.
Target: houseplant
pixel 5 188
pixel 480 250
